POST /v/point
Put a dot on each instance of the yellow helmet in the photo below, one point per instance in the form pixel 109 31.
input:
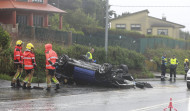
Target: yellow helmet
pixel 186 60
pixel 30 46
pixel 18 42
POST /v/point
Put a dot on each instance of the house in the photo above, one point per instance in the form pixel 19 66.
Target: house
pixel 32 13
pixel 141 22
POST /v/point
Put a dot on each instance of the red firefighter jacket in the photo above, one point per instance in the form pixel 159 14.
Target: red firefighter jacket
pixel 18 55
pixel 29 60
pixel 50 56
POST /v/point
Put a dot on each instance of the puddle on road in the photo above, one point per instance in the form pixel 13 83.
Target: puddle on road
pixel 15 94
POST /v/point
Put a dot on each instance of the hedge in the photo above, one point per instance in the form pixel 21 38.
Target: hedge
pixel 116 56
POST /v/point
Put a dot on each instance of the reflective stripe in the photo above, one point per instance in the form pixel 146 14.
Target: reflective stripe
pixel 28 65
pixel 27 58
pixel 48 65
pixel 53 57
pixel 17 55
pixel 33 57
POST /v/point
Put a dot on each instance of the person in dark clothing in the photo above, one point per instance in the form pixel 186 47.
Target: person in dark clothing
pixel 173 65
pixel 163 67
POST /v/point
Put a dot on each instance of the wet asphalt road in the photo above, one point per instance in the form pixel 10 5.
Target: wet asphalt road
pixel 92 98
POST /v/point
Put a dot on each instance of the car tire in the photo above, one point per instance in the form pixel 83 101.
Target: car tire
pixel 124 67
pixel 188 85
pixel 105 68
pixel 63 60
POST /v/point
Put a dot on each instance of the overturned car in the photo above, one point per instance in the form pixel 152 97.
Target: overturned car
pixel 81 71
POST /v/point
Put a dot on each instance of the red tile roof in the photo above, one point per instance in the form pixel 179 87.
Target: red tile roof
pixel 29 6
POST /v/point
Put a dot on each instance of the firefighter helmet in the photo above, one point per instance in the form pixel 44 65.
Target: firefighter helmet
pixel 18 42
pixel 186 60
pixel 30 46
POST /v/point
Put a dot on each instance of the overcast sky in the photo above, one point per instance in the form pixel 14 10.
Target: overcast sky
pixel 179 14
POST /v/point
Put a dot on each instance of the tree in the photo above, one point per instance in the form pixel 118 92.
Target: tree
pixel 78 19
pixel 81 13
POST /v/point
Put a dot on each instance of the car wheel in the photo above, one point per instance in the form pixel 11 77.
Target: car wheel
pixel 188 85
pixel 124 67
pixel 63 60
pixel 105 68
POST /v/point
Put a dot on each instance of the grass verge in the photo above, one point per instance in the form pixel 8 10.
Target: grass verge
pixel 5 77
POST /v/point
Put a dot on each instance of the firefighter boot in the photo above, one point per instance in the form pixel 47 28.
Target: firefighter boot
pixel 18 83
pixel 57 87
pixel 12 84
pixel 170 79
pixel 29 86
pixel 24 85
pixel 174 79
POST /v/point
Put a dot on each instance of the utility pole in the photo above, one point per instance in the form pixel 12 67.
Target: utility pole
pixel 106 29
pixel 58 4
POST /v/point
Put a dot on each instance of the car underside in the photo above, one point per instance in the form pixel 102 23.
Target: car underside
pixel 82 71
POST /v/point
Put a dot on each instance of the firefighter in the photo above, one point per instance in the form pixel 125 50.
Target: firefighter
pixel 173 65
pixel 186 67
pixel 29 65
pixel 18 62
pixel 89 55
pixel 51 62
pixel 163 67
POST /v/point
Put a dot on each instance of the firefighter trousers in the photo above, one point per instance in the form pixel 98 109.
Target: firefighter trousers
pixel 50 74
pixel 18 73
pixel 28 78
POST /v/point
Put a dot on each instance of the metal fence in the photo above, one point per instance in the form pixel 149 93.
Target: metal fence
pixel 132 42
pixel 42 34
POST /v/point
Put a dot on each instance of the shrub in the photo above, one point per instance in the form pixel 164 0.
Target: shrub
pixel 116 56
pixel 4 39
pixel 156 54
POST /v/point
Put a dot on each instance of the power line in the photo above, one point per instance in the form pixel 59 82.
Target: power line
pixel 149 6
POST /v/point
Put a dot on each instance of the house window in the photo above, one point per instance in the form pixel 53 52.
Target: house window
pixel 149 31
pixel 120 26
pixel 162 31
pixel 21 19
pixel 38 20
pixel 135 27
pixel 37 1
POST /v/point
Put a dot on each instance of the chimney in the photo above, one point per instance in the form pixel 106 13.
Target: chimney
pixel 163 17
